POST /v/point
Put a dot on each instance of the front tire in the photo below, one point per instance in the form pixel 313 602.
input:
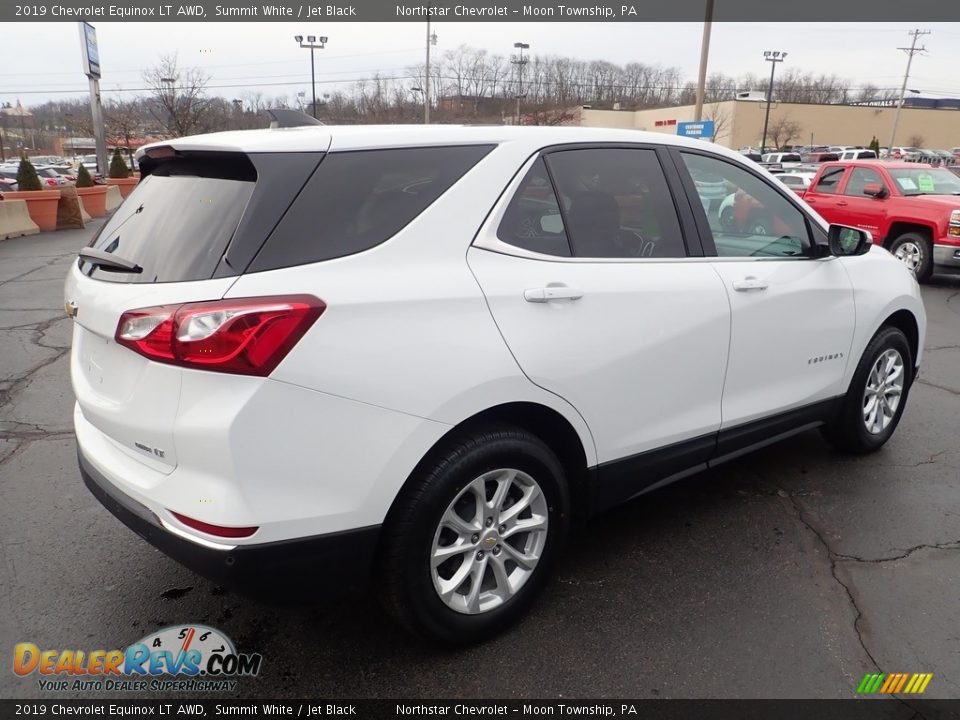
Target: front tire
pixel 471 540
pixel 872 407
pixel 916 253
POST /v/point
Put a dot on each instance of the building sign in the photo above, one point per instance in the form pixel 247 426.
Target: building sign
pixel 703 129
pixel 88 46
pixel 662 123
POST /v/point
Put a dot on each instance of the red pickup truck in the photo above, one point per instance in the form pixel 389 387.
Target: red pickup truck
pixel 911 209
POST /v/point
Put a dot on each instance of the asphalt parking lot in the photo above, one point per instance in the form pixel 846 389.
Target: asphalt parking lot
pixel 789 573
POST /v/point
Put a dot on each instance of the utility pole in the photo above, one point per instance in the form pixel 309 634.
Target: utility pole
pixel 772 57
pixel 520 61
pixel 704 51
pixel 431 40
pixel 910 51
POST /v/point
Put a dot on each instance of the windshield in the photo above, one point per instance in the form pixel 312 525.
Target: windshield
pixel 925 181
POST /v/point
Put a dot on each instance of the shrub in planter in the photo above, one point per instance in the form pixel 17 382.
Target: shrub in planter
pixel 83 178
pixel 93 197
pixel 27 178
pixel 119 175
pixel 41 203
pixel 118 167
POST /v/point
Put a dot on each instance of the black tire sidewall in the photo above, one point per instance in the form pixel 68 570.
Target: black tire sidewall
pixel 925 270
pixel 514 449
pixel 859 437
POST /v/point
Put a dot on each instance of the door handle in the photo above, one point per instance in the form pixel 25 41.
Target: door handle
pixel 841 203
pixel 749 283
pixel 551 292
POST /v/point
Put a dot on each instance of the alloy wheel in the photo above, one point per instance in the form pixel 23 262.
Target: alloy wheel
pixel 488 541
pixel 910 254
pixel 881 397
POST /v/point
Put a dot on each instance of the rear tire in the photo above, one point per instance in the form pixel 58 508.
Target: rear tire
pixel 462 498
pixel 871 409
pixel 916 252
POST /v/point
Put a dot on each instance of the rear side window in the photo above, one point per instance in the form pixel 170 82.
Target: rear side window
pixel 617 204
pixel 178 221
pixel 829 182
pixel 357 200
pixel 533 221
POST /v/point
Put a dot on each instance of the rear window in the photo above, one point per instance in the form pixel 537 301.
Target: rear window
pixel 178 221
pixel 359 199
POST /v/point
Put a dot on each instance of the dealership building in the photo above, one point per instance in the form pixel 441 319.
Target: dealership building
pixel 739 123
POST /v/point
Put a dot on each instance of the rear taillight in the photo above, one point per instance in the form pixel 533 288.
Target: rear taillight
pixel 245 336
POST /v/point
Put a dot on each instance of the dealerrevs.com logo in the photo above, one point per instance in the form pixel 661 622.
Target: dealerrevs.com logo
pixel 186 658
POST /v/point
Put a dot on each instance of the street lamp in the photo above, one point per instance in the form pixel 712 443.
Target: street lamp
pixel 520 61
pixel 313 43
pixel 772 57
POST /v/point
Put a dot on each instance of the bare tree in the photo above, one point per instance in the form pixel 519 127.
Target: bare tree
pixel 783 130
pixel 124 123
pixel 178 101
pixel 721 121
pixel 915 141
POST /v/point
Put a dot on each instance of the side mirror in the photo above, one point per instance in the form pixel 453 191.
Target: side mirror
pixel 847 241
pixel 875 190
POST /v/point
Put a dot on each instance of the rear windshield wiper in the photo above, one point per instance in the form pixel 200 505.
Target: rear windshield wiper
pixel 109 261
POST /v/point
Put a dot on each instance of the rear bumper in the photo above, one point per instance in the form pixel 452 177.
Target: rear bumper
pixel 323 566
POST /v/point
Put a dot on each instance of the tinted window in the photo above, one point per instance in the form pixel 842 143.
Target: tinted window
pixel 860 178
pixel 178 221
pixel 829 182
pixel 753 219
pixel 616 203
pixel 532 220
pixel 356 200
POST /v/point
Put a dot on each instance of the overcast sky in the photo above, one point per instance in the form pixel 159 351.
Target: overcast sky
pixel 42 60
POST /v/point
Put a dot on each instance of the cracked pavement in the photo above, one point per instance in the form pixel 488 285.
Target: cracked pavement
pixel 788 573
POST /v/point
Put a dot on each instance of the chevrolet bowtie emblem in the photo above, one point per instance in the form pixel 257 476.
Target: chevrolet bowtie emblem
pixel 71 308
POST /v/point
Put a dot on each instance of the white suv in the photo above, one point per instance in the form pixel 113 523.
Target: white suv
pixel 413 354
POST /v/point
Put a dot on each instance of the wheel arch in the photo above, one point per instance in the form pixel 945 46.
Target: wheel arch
pixel 906 322
pixel 899 227
pixel 545 422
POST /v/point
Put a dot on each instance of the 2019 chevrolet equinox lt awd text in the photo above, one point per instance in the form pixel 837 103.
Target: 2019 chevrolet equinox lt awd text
pixel 411 355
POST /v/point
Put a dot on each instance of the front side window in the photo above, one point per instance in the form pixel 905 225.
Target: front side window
pixel 616 203
pixel 752 219
pixel 860 178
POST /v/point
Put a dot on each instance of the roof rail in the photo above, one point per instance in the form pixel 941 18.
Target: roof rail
pixel 287 118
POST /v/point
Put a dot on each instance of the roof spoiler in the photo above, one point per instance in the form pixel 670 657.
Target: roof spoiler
pixel 287 118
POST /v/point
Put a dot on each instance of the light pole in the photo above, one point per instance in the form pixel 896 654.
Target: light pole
pixel 772 57
pixel 431 40
pixel 313 43
pixel 520 61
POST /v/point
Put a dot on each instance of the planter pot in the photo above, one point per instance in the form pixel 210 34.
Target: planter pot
pixel 126 185
pixel 41 204
pixel 94 200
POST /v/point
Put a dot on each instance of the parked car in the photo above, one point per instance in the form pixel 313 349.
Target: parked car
pixel 858 154
pixel 7 185
pixel 67 173
pixel 911 209
pixel 797 181
pixel 907 154
pixel 50 177
pixel 783 158
pixel 412 354
pixel 820 157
